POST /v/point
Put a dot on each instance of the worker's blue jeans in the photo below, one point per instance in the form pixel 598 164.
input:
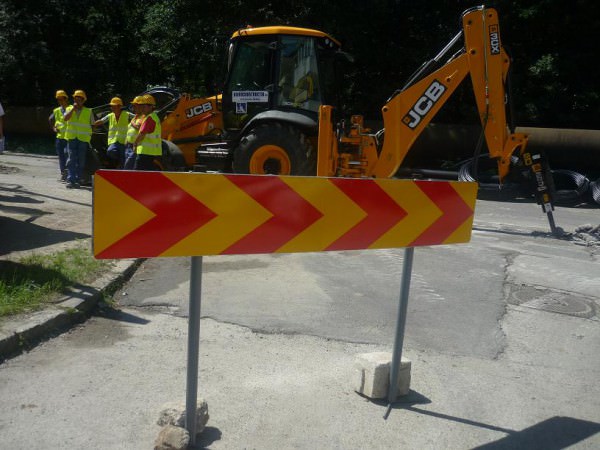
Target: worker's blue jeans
pixel 129 157
pixel 76 152
pixel 116 152
pixel 61 151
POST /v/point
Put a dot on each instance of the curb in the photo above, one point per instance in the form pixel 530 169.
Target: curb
pixel 26 332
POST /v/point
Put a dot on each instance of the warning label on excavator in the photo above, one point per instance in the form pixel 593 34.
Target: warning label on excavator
pixel 250 96
pixel 152 214
pixel 241 108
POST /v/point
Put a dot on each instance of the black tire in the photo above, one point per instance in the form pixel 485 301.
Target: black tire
pixel 92 163
pixel 172 158
pixel 274 148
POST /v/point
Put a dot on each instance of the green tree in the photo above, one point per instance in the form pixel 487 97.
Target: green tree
pixel 113 47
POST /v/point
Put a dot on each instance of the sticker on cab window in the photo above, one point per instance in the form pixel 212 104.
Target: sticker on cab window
pixel 250 96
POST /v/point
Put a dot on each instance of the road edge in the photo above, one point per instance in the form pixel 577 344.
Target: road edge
pixel 27 332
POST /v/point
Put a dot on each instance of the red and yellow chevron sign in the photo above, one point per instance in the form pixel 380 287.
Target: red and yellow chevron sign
pixel 151 214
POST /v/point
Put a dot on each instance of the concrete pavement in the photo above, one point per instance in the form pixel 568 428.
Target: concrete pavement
pixel 102 385
pixel 37 215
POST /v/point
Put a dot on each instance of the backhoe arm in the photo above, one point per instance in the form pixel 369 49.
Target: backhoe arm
pixel 408 111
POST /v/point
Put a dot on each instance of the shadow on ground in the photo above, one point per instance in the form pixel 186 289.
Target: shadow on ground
pixel 551 434
pixel 19 235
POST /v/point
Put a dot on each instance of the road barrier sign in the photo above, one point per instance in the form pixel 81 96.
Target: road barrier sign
pixel 152 214
pixel 157 214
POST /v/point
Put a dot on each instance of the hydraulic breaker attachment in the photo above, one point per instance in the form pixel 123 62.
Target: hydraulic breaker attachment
pixel 543 185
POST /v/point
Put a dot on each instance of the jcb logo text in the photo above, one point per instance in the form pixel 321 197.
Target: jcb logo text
pixel 420 109
pixel 197 110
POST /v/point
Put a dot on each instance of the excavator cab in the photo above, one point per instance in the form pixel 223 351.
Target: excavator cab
pixel 279 74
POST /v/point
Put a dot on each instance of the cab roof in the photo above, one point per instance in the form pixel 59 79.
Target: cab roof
pixel 280 29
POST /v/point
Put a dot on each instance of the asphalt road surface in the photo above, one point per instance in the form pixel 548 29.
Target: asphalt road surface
pixel 503 335
pixel 459 294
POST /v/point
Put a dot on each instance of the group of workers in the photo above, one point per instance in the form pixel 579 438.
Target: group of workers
pixel 134 139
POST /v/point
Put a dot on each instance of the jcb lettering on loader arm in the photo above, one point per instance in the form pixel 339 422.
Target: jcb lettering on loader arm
pixel 424 104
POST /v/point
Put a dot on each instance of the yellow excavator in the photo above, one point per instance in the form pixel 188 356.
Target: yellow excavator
pixel 275 114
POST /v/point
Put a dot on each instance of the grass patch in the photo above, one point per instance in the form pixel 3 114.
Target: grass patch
pixel 36 279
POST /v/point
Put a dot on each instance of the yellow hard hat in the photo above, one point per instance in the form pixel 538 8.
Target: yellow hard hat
pixel 60 93
pixel 137 100
pixel 80 93
pixel 147 99
pixel 116 101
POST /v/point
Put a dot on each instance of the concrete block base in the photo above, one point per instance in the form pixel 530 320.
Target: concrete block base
pixel 372 375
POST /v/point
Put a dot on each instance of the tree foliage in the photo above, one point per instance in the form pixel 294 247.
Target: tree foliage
pixel 117 47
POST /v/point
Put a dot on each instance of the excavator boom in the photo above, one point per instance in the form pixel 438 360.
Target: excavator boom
pixel 411 109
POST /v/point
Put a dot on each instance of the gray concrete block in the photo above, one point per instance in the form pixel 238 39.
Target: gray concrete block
pixel 371 376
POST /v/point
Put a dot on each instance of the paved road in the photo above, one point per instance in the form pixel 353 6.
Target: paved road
pixel 458 299
pixel 37 213
pixel 503 334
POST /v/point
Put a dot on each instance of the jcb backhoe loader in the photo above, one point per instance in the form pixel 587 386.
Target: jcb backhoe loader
pixel 275 114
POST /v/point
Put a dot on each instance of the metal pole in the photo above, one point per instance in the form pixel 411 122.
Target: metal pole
pixel 553 228
pixel 400 324
pixel 191 398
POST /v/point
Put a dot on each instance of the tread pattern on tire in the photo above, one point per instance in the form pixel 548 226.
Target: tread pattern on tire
pixel 295 143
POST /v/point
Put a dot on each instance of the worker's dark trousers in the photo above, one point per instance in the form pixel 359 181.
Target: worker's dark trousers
pixel 76 151
pixel 145 162
pixel 61 151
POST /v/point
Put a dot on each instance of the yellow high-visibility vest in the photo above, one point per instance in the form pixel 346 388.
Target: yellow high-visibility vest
pixel 79 126
pixel 117 129
pixel 132 132
pixel 152 143
pixel 59 122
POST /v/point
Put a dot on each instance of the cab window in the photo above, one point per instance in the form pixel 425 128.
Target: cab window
pixel 251 67
pixel 298 85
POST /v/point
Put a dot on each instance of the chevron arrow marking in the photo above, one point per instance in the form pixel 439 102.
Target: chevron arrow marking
pixel 107 231
pixel 338 214
pixel 453 208
pixel 381 213
pixel 237 213
pixel 291 214
pixel 468 194
pixel 176 214
pixel 420 213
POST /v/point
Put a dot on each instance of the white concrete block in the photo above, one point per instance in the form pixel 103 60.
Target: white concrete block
pixel 372 375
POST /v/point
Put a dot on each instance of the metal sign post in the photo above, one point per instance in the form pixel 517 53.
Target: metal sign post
pixel 191 397
pixel 167 214
pixel 400 324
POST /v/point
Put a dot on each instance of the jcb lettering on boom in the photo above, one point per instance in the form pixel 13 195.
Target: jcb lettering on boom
pixel 494 40
pixel 197 110
pixel 420 109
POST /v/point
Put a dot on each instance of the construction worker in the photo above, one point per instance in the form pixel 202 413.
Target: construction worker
pixel 117 131
pixel 148 143
pixel 132 132
pixel 79 120
pixel 57 123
